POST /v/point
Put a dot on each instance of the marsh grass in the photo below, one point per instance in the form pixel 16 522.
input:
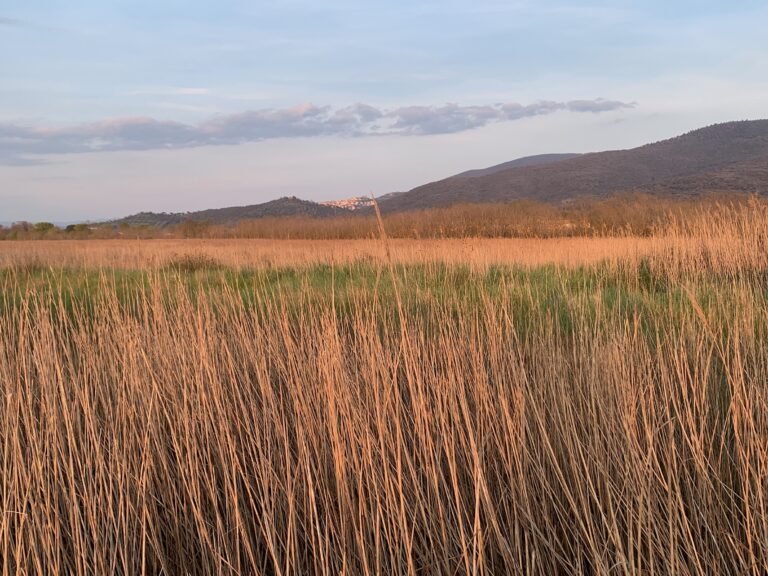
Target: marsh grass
pixel 391 417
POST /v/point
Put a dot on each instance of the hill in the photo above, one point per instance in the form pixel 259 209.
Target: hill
pixel 287 206
pixel 731 157
pixel 538 160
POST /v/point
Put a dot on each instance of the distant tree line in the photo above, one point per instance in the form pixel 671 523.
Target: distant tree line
pixel 48 231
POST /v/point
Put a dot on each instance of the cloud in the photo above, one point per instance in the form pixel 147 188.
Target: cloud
pixel 595 106
pixel 13 22
pixel 443 119
pixel 18 142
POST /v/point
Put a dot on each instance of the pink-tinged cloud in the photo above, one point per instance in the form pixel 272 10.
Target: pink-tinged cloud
pixel 24 145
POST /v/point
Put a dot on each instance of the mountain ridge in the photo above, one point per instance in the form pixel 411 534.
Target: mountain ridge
pixel 706 151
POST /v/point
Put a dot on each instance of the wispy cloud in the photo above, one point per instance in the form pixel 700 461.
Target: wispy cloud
pixel 29 26
pixel 13 22
pixel 18 143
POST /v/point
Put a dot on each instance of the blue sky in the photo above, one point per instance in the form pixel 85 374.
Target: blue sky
pixel 108 108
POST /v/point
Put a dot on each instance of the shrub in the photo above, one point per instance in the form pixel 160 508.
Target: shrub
pixel 192 263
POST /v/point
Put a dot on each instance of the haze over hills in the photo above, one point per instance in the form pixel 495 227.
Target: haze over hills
pixel 722 158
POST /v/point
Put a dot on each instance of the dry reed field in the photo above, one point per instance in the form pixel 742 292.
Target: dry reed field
pixel 143 254
pixel 572 406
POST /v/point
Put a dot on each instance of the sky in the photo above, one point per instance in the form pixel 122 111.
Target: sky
pixel 111 108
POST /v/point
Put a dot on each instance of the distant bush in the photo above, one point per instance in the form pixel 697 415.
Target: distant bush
pixel 43 228
pixel 192 263
pixel 78 229
pixel 193 229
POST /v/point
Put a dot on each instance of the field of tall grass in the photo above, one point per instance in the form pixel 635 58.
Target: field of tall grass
pixel 246 408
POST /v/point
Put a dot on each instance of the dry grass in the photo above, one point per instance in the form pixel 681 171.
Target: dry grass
pixel 478 252
pixel 606 420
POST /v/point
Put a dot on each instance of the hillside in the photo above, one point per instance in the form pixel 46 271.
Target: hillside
pixel 287 206
pixel 538 160
pixel 722 158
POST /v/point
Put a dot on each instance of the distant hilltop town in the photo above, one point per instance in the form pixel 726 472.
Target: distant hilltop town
pixel 351 203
